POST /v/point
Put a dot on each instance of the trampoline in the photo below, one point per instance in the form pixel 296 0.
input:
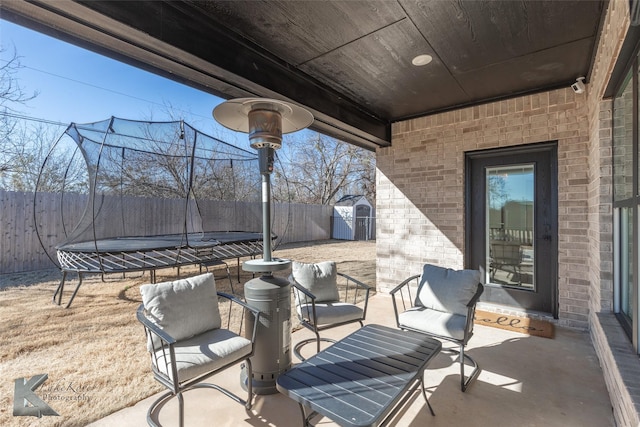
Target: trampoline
pixel 128 254
pixel 146 184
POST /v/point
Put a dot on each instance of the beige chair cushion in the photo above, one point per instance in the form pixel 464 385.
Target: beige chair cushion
pixel 434 322
pixel 447 290
pixel 320 279
pixel 204 353
pixel 331 312
pixel 183 308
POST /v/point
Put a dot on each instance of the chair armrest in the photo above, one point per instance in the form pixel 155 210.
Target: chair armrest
pixel 359 285
pixel 404 283
pixel 476 296
pixel 165 354
pixel 152 327
pixel 299 301
pixel 403 299
pixel 246 307
pixel 471 313
pixel 238 301
pixel 299 288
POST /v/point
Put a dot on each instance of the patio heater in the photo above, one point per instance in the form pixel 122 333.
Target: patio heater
pixel 265 120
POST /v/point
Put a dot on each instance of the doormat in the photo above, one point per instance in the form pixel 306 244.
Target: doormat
pixel 524 325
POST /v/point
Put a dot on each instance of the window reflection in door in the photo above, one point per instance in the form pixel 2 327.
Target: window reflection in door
pixel 509 228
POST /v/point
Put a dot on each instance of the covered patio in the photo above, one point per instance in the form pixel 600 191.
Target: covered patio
pixel 525 381
pixel 499 79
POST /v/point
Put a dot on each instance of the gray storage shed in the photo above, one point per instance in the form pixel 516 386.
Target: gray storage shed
pixel 353 219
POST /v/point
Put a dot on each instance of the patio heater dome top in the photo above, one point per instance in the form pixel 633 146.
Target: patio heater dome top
pixel 233 113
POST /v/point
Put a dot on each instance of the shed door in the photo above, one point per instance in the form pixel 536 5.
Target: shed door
pixel 363 221
pixel 512 225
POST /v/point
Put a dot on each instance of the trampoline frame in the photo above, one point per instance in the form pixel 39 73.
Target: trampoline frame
pixel 105 257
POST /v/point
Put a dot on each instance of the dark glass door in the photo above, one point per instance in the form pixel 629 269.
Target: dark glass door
pixel 512 225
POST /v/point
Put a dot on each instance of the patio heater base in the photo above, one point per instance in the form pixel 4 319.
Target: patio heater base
pixel 272 296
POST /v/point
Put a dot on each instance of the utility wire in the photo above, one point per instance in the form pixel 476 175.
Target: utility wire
pixel 32 119
pixel 105 89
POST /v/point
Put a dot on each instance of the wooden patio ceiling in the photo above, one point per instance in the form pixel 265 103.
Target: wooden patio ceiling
pixel 348 62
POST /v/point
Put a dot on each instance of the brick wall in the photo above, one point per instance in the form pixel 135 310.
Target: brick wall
pixel 420 187
pixel 600 159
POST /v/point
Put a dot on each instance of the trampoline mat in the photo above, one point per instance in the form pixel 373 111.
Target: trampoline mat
pixel 162 242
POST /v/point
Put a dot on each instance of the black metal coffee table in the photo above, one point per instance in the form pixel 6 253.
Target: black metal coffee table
pixel 363 379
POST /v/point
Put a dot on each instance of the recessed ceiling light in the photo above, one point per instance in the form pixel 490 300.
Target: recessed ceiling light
pixel 421 60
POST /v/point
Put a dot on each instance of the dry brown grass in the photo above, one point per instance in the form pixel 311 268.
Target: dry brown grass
pixel 94 352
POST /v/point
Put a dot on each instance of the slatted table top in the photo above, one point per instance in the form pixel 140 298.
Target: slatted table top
pixel 360 380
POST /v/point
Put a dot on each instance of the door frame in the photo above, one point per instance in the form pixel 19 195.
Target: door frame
pixel 549 147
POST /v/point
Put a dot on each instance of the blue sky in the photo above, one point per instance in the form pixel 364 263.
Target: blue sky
pixel 77 85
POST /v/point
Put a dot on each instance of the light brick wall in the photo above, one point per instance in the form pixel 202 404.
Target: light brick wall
pixel 600 160
pixel 420 187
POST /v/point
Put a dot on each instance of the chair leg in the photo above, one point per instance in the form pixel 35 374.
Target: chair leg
pixel 249 384
pixel 464 383
pixel 181 408
pixel 155 405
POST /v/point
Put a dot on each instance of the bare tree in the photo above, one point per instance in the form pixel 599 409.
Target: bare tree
pixel 365 182
pixel 221 172
pixel 12 97
pixel 51 171
pixel 319 169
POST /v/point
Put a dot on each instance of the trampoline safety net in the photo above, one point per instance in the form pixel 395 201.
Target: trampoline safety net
pixel 148 189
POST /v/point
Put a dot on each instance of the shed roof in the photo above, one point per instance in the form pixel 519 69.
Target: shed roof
pixel 351 200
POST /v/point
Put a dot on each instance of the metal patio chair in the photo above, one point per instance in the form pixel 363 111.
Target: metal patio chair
pixel 443 306
pixel 189 340
pixel 508 257
pixel 321 304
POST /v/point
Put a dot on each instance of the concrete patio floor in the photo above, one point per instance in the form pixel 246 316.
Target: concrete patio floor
pixel 525 381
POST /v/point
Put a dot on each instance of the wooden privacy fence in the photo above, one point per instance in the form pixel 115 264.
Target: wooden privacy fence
pixel 20 248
